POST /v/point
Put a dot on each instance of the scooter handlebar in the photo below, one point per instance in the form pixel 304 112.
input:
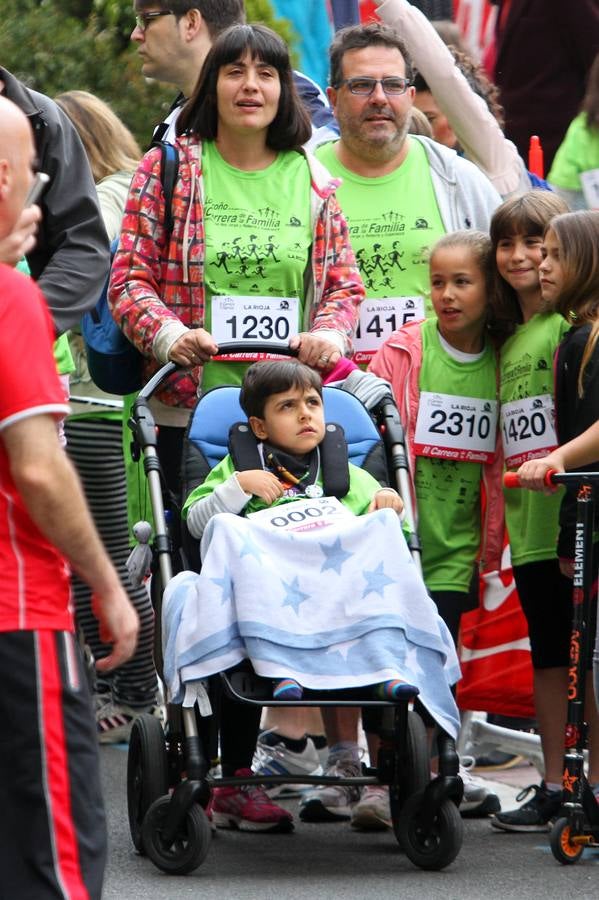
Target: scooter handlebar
pixel 511 479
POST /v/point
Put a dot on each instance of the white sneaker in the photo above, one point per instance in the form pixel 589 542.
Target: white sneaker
pixel 331 802
pixel 273 757
pixel 372 811
pixel 478 800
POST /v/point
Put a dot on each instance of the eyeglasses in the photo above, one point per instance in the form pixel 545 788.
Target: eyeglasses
pixel 142 20
pixel 365 86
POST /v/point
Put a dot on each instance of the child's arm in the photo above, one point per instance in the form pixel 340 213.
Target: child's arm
pixel 230 496
pixel 386 498
pixel 579 452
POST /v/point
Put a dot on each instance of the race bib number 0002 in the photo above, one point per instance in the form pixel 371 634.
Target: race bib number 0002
pixel 379 318
pixel 256 319
pixel 528 429
pixel 457 428
pixel 306 514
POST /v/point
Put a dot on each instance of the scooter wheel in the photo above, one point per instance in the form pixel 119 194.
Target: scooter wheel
pixel 190 846
pixel 560 839
pixel 432 848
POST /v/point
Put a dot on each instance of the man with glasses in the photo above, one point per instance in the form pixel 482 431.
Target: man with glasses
pixel 399 193
pixel 173 41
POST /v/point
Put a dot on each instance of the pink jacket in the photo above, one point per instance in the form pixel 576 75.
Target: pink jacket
pixel 399 361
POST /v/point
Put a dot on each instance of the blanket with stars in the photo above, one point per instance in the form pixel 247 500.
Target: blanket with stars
pixel 342 608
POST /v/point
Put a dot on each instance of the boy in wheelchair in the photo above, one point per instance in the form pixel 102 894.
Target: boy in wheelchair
pixel 312 596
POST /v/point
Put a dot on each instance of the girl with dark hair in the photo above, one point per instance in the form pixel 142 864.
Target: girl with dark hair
pixel 574 173
pixel 259 248
pixel 569 277
pixel 530 334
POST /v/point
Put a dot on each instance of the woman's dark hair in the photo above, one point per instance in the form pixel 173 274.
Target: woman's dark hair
pixel 590 103
pixel 263 379
pixel 291 126
pixel 527 214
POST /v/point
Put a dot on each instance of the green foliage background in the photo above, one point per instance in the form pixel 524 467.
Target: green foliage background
pixel 61 45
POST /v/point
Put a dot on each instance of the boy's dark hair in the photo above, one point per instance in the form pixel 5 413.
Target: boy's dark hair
pixel 291 126
pixel 263 379
pixel 218 14
pixel 358 37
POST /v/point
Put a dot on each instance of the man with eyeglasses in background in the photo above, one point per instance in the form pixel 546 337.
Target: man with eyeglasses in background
pixel 400 192
pixel 173 41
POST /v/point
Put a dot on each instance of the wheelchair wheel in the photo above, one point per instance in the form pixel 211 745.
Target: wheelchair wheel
pixel 437 847
pixel 560 841
pixel 147 772
pixel 190 846
pixel 416 774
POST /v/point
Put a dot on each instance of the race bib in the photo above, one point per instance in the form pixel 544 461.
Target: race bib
pixel 456 428
pixel 379 318
pixel 528 429
pixel 256 319
pixel 302 515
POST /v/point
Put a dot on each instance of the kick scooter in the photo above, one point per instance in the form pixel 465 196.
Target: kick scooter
pixel 577 826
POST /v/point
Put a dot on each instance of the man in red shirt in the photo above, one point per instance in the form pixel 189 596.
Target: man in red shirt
pixel 52 827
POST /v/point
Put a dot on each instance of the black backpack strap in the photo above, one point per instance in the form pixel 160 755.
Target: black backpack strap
pixel 169 169
pixel 243 447
pixel 334 462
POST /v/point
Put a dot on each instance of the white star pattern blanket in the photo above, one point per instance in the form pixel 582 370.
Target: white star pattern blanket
pixel 339 608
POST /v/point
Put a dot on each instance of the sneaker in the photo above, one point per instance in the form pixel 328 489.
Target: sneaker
pixel 497 761
pixel 322 748
pixel 248 808
pixel 331 802
pixel 536 815
pixel 114 721
pixel 372 811
pixel 478 800
pixel 273 757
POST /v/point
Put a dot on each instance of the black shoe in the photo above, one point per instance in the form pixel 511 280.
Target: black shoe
pixel 536 815
pixel 496 761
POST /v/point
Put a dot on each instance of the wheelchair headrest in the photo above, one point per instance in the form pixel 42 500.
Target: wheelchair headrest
pixel 219 408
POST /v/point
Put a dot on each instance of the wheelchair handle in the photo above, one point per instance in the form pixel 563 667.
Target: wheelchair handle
pixel 279 347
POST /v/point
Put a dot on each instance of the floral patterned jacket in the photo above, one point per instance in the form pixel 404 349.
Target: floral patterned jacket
pixel 157 286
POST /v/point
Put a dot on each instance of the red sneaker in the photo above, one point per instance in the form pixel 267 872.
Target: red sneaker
pixel 248 808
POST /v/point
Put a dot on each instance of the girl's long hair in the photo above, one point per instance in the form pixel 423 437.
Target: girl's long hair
pixel 527 214
pixel 577 236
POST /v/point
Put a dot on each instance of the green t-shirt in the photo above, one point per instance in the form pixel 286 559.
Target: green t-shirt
pixel 258 235
pixel 526 371
pixel 393 223
pixel 362 488
pixel 448 491
pixel 578 153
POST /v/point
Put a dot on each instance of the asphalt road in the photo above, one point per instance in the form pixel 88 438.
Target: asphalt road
pixel 332 861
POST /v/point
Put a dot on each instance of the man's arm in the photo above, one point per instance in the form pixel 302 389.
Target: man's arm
pixel 71 259
pixel 50 490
